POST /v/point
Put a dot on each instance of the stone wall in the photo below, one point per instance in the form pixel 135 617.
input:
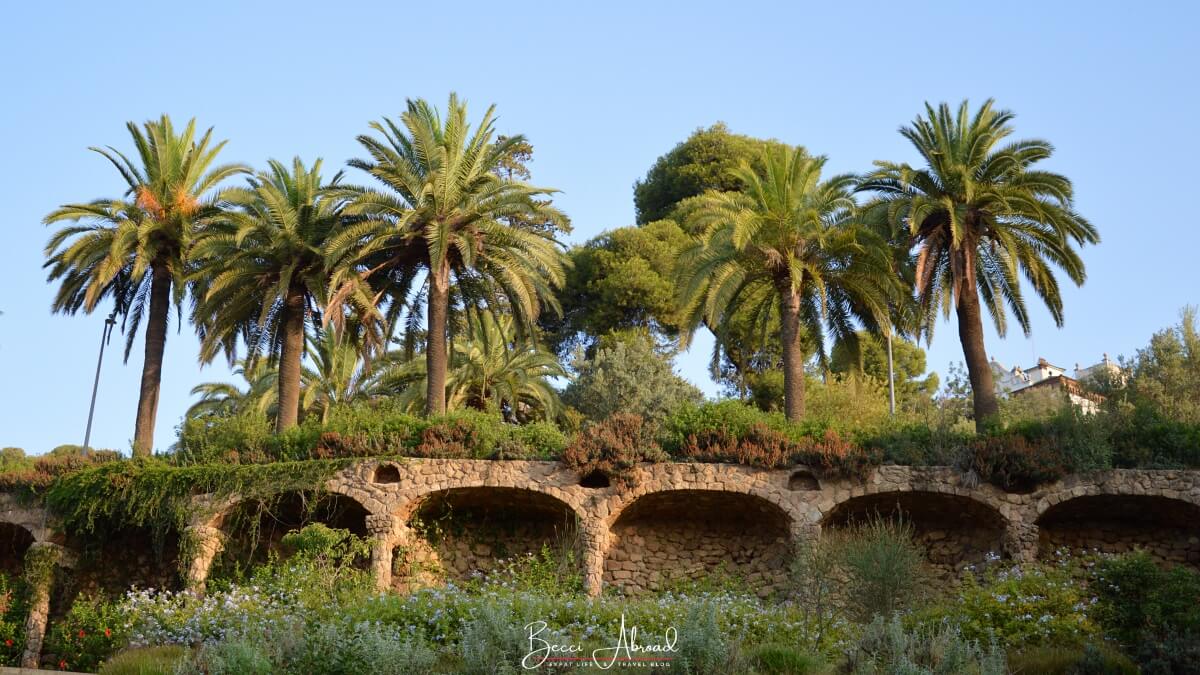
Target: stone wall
pixel 681 520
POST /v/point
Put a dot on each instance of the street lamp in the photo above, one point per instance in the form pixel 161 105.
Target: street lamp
pixel 104 337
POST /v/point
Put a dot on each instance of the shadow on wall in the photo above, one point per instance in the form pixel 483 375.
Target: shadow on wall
pixel 667 539
pixel 462 532
pixel 1168 529
pixel 14 542
pixel 953 530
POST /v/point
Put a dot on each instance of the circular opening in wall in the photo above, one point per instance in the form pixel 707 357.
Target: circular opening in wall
pixel 803 480
pixel 595 479
pixel 387 473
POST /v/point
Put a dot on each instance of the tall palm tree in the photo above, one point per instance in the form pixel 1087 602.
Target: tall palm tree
pixel 492 368
pixel 261 271
pixel 135 249
pixel 980 218
pixel 785 248
pixel 447 209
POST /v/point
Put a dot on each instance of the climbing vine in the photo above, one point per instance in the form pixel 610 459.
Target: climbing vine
pixel 158 496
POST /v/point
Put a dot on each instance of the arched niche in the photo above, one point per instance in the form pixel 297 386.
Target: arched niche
pixel 462 532
pixel 670 539
pixel 1168 529
pixel 953 530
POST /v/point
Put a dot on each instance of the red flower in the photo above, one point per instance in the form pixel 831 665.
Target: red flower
pixel 62 665
pixel 107 633
pixel 8 643
pixel 81 633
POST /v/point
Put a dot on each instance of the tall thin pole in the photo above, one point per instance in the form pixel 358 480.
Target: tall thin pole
pixel 104 335
pixel 891 378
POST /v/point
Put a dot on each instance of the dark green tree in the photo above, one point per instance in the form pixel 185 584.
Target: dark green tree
pixel 618 281
pixel 704 161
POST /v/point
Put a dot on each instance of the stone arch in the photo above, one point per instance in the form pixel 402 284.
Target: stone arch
pixel 453 533
pixel 1166 527
pixel 953 528
pixel 245 530
pixel 15 540
pixel 666 537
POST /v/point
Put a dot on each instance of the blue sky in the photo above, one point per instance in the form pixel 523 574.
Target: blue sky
pixel 601 91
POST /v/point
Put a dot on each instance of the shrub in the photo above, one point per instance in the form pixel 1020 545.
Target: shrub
pixel 1142 602
pixel 702 646
pixel 1175 654
pixel 884 565
pixel 886 648
pixel 1087 660
pixel 614 448
pixel 774 659
pixel 759 446
pixel 343 648
pixel 627 375
pixel 1019 606
pixel 146 661
pixel 491 643
pixel 232 657
pixel 91 631
pixel 14 606
pixel 1015 463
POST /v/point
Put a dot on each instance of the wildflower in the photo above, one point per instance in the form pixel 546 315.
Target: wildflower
pixel 81 633
pixel 107 633
pixel 8 642
pixel 62 664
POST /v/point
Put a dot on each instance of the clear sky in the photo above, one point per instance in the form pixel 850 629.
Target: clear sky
pixel 601 91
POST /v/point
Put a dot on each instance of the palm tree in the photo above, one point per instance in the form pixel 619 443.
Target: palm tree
pixel 135 249
pixel 493 368
pixel 785 248
pixel 339 374
pixel 448 209
pixel 980 218
pixel 224 398
pixel 261 271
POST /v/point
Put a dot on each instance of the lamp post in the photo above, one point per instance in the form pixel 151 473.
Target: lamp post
pixel 104 336
pixel 891 378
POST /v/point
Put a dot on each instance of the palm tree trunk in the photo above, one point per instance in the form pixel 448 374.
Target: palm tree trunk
pixel 156 341
pixel 291 354
pixel 970 333
pixel 435 342
pixel 793 353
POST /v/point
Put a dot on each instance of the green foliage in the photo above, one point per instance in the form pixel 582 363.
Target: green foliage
pixel 1087 660
pixel 619 281
pixel 627 375
pixel 146 661
pixel 491 643
pixel 884 564
pixel 1019 606
pixel 1142 602
pixel 90 632
pixel 775 659
pixel 703 648
pixel 613 448
pixel 233 657
pixel 365 431
pixel 151 493
pixel 347 648
pixel 731 431
pixel 702 162
pixel 886 648
pixel 14 607
pixel 908 363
